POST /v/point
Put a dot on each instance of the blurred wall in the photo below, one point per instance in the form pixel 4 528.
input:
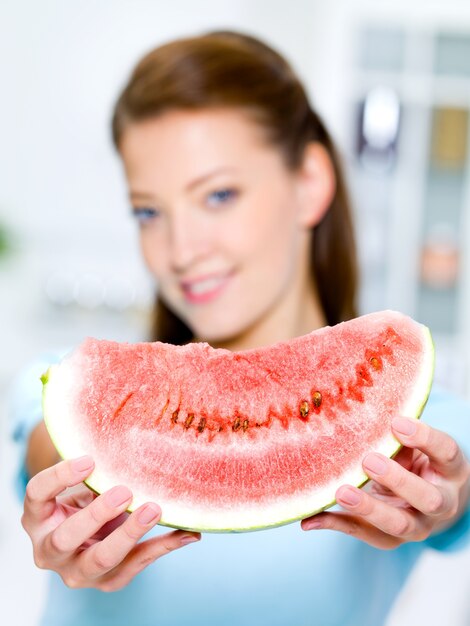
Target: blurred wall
pixel 74 269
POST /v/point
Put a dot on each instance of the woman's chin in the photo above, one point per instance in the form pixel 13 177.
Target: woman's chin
pixel 217 339
pixel 218 335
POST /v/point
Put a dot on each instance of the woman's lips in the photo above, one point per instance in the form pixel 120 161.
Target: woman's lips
pixel 201 290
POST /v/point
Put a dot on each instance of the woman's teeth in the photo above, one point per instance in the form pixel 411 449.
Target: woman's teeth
pixel 204 286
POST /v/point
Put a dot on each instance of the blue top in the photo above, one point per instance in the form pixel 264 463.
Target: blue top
pixel 277 577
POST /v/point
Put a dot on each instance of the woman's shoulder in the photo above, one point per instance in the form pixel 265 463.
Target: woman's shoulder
pixel 24 405
pixel 450 412
pixel 24 397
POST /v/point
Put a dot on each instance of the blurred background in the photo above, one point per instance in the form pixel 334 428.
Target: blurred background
pixel 392 81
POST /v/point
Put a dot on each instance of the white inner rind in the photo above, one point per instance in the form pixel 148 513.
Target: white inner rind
pixel 250 517
pixel 61 387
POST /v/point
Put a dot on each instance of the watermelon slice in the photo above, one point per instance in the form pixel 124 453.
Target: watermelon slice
pixel 237 441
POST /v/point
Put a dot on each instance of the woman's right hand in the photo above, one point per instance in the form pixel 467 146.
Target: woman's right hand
pixel 90 540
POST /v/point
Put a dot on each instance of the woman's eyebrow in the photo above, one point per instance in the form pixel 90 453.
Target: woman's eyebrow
pixel 201 179
pixel 140 195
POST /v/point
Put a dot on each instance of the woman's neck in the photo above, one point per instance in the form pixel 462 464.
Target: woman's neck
pixel 260 334
pixel 296 315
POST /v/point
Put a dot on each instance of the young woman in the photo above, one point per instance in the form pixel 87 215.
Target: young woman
pixel 244 222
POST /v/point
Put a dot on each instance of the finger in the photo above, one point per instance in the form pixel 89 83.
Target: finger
pixel 108 553
pixel 446 456
pixel 79 497
pixel 44 487
pixel 352 525
pixel 79 527
pixel 406 457
pixel 419 493
pixel 147 552
pixel 143 554
pixel 392 520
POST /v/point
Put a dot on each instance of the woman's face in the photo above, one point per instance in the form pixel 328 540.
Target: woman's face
pixel 220 225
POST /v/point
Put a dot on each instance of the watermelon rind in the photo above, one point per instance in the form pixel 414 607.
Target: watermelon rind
pixel 68 446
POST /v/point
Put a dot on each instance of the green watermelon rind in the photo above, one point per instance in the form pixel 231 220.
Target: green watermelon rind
pixel 99 482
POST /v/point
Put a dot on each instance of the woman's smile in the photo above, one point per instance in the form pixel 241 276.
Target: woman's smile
pixel 205 289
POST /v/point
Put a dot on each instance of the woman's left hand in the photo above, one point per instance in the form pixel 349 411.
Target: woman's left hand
pixel 424 490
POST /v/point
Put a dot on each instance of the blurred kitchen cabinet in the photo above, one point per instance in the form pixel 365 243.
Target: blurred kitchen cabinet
pixel 410 175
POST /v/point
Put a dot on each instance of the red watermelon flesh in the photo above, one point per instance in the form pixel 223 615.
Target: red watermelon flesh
pixel 239 440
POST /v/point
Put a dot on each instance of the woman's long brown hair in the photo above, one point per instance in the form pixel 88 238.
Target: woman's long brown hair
pixel 230 69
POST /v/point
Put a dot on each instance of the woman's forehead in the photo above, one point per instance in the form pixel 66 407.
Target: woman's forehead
pixel 191 145
pixel 227 128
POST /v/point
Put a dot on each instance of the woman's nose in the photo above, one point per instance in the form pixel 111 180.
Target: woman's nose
pixel 188 242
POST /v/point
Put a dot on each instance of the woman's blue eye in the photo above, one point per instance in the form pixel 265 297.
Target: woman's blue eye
pixel 144 214
pixel 221 196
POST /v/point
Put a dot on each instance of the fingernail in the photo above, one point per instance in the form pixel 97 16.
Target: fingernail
pixel 118 495
pixel 188 539
pixel 82 464
pixel 148 514
pixel 375 463
pixel 404 426
pixel 349 496
pixel 312 525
